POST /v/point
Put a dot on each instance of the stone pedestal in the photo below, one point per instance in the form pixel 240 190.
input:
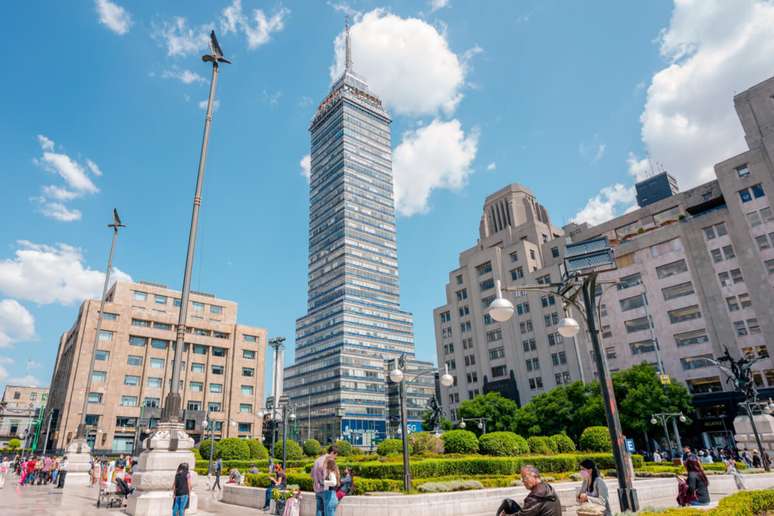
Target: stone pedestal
pixel 745 438
pixel 154 474
pixel 78 463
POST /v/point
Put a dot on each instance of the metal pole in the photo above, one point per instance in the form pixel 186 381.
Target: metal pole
pixel 764 455
pixel 404 431
pixel 48 429
pixel 173 403
pixel 212 444
pixel 627 495
pixel 577 351
pixel 284 438
pixel 81 432
pixel 273 432
pixel 677 434
pixel 666 433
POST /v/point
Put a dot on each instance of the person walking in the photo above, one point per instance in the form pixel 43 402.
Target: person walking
pixel 731 470
pixel 278 481
pixel 218 471
pixel 62 473
pixel 698 484
pixel 756 459
pixel 5 467
pixel 318 477
pixel 542 500
pixel 331 484
pixel 181 490
pixel 593 494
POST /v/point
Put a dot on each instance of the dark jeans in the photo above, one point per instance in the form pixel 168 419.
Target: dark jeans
pixel 217 481
pixel 61 479
pixel 320 500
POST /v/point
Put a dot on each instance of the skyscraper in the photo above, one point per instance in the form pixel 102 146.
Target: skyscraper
pixel 354 323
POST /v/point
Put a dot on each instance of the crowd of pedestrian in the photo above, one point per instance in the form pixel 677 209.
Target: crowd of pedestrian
pixel 34 470
pixel 751 458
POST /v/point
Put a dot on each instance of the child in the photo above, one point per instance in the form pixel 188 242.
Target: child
pixel 293 504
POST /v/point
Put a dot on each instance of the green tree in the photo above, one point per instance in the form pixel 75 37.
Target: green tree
pixel 499 410
pixel 446 424
pixel 566 408
pixel 233 448
pixel 293 450
pixel 312 448
pixel 204 449
pixel 14 444
pixel 257 449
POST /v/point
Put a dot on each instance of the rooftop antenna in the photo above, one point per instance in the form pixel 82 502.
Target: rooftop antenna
pixel 348 45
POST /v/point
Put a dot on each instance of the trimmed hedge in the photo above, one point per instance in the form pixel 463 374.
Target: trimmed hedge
pixel 390 447
pixel 304 481
pixel 312 448
pixel 293 451
pixel 345 448
pixel 257 449
pixel 459 441
pixel 425 442
pixel 743 503
pixel 541 445
pixel 204 449
pixel 503 444
pixel 596 439
pixel 232 448
pixel 563 443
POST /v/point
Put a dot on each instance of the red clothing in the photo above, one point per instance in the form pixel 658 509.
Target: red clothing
pixel 31 466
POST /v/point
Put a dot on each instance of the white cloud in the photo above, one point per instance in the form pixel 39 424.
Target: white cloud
pixel 67 168
pixel 58 211
pixel 24 381
pixel 58 193
pixel 271 98
pixel 113 16
pixel 51 274
pixel 257 30
pixel 438 155
pixel 492 166
pixel 180 39
pixel 45 143
pixel 713 50
pixel 306 166
pixel 93 168
pixel 185 76
pixel 610 202
pixel 16 323
pixel 438 4
pixel 32 364
pixel 406 61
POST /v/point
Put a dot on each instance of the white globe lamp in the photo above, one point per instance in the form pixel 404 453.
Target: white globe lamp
pixel 568 327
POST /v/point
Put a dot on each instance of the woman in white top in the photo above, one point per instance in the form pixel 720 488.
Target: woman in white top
pixel 5 467
pixel 331 484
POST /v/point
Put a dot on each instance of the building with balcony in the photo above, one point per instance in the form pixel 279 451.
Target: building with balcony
pixel 21 409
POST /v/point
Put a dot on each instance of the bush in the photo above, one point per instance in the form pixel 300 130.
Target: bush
pixel 450 485
pixel 257 449
pixel 14 444
pixel 204 449
pixel 425 442
pixel 596 439
pixel 293 451
pixel 541 445
pixel 390 447
pixel 196 454
pixel 312 448
pixel 503 444
pixel 232 448
pixel 345 448
pixel 459 441
pixel 744 503
pixel 563 443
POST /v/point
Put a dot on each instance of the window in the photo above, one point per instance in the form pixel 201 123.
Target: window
pixel 141 322
pixel 744 300
pixel 250 338
pixel 134 360
pixel 532 364
pixel 487 284
pixel 684 314
pixel 529 345
pixel 763 242
pixel 728 252
pixel 157 363
pixel 670 246
pixel 197 367
pixel 248 354
pixel 462 294
pixel 107 316
pixel 101 355
pixel 202 332
pixel 499 371
pixel 517 273
pixel 95 397
pixel 496 353
pixel 105 336
pixel 472 377
pixel 218 352
pixel 151 402
pixel 635 325
pixel 559 358
pixel 196 386
pixel 248 371
pixel 753 327
pixel 216 387
pixel 162 326
pixel 733 305
pixel 213 406
pixel 197 307
pixel 484 268
pixel 611 353
pixel 736 275
pixel 194 405
pixel 696 362
pixel 629 281
pixel 137 341
pixel 740 328
pixel 670 269
pixel 215 309
pixel 159 343
pixel 128 401
pixel 98 376
pixel 217 369
pixel 770 266
pixel 642 346
pixel 536 383
pixel 154 383
pixel 532 254
pixel 459 279
pixel 245 427
pixel 247 390
pixel 717 256
pixel 679 290
pixel 555 252
pixel 754 192
pixel 160 300
pixel 126 422
pixel 131 379
pixel 631 303
pixel 245 408
pixel 514 256
pixel 742 171
pixel 199 349
pixel 139 296
pixel 494 335
pixel 754 218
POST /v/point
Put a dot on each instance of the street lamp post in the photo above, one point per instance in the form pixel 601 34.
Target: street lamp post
pixel 480 422
pixel 663 417
pixel 583 262
pixel 398 376
pixel 288 414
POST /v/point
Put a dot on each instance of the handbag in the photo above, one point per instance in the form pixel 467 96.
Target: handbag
pixel 591 509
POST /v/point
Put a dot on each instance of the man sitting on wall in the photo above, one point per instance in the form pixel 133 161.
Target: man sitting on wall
pixel 541 500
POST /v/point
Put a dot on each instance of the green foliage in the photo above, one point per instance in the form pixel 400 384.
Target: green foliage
pixel 498 409
pixel 312 448
pixel 425 442
pixel 345 448
pixel 204 449
pixel 541 445
pixel 566 408
pixel 370 485
pixel 563 443
pixel 390 447
pixel 450 485
pixel 595 438
pixel 293 451
pixel 232 448
pixel 14 444
pixel 743 503
pixel 257 449
pixel 503 444
pixel 460 441
pixel 196 454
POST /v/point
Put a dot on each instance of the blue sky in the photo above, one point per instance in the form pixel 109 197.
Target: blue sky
pixel 101 110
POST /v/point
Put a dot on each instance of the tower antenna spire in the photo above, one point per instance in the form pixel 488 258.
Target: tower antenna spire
pixel 348 44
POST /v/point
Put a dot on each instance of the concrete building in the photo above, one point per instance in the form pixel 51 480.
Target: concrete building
pixel 222 369
pixel 655 188
pixel 20 413
pixel 354 321
pixel 694 274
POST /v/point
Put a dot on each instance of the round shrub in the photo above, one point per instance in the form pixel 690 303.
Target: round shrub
pixel 563 443
pixel 293 450
pixel 390 447
pixel 204 449
pixel 459 441
pixel 502 444
pixel 541 445
pixel 425 442
pixel 232 448
pixel 14 444
pixel 312 448
pixel 345 448
pixel 196 454
pixel 257 449
pixel 596 438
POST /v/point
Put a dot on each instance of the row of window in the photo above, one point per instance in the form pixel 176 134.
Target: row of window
pixel 156 382
pixel 758 217
pixel 159 299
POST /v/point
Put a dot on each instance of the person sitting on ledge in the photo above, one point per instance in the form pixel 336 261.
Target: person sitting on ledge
pixel 541 500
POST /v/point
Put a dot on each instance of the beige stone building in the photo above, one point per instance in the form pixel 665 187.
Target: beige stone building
pixel 20 408
pixel 222 368
pixel 694 274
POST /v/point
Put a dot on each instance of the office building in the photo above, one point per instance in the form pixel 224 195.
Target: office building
pixel 655 188
pixel 354 321
pixel 694 274
pixel 20 414
pixel 221 376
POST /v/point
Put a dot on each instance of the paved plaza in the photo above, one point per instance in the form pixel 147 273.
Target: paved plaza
pixel 75 501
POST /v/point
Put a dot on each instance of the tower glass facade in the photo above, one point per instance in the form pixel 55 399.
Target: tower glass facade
pixel 354 322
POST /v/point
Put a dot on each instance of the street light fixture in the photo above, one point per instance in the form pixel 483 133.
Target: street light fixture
pixel 663 417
